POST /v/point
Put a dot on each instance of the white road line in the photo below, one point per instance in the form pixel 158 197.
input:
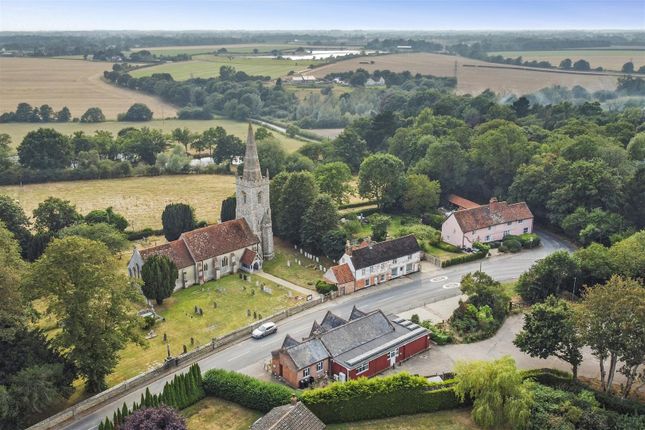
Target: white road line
pixel 238 356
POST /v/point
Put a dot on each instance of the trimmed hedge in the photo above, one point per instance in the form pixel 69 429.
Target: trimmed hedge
pixel 548 376
pixel 357 205
pixel 464 258
pixel 366 399
pixel 245 390
pixel 141 234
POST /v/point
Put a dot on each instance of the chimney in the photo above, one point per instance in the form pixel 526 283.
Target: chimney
pixel 493 200
pixel 348 248
pixel 294 399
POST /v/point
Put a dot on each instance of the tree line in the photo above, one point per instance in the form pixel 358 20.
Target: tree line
pixel 26 113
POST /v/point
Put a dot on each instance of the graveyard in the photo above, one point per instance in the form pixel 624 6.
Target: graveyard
pixel 295 266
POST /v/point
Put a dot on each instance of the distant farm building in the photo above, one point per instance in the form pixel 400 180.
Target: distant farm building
pixel 302 79
pixel 372 83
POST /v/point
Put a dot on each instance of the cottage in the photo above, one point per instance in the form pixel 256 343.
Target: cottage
pixel 362 346
pixel 375 83
pixel 486 223
pixel 370 264
pixel 295 416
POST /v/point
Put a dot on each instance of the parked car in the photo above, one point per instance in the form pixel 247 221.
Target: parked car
pixel 264 330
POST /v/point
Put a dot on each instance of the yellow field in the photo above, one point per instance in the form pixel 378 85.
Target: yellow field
pixel 471 80
pixel 610 59
pixel 140 200
pixel 17 131
pixel 72 83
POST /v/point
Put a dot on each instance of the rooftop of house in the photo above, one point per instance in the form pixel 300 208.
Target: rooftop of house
pixel 307 353
pixel 219 239
pixel 289 417
pixel 384 251
pixel 462 202
pixel 492 214
pixel 341 274
pixel 176 251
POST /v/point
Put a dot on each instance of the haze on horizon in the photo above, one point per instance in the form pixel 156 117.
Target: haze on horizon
pixel 294 15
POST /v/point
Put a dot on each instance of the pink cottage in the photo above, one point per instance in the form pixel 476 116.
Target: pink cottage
pixel 486 223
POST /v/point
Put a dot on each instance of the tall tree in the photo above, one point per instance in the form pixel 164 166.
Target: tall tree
pixel 333 179
pixel 54 214
pixel 421 195
pixel 144 145
pixel 114 239
pixel 159 274
pixel 177 218
pixel 271 155
pixel 350 148
pixel 107 216
pixel 93 114
pixel 379 224
pixel 45 148
pixel 87 293
pixel 13 306
pixel 483 290
pixel 549 330
pixel 320 218
pixel 548 276
pixel 446 162
pixel 382 178
pixel 275 194
pixel 183 136
pixel 228 147
pixel 228 209
pixel 138 112
pixel 16 221
pixel 298 193
pixel 628 256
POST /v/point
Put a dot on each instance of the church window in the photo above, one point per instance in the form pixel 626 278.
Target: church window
pixel 243 197
pixel 224 261
pixel 205 266
pixel 260 197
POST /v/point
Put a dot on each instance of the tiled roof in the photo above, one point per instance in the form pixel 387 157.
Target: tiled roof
pixel 307 353
pixel 248 256
pixel 356 332
pixel 219 239
pixel 343 273
pixel 289 417
pixel 175 251
pixel 492 214
pixel 384 251
pixel 331 321
pixel 461 202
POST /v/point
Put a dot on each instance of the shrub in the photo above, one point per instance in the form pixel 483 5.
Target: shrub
pixel 529 240
pixel 447 247
pixel 324 288
pixel 141 234
pixel 161 418
pixel 439 336
pixel 511 245
pixel 357 205
pixel 245 390
pixel 366 399
pixel 463 259
pixel 433 220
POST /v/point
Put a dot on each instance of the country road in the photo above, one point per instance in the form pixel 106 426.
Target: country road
pixel 396 296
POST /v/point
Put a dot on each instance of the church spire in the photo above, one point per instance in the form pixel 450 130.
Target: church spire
pixel 252 170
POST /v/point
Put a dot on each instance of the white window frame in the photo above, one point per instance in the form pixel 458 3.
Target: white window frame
pixel 319 366
pixel 506 233
pixel 392 354
pixel 305 372
pixel 526 230
pixel 367 281
pixel 362 368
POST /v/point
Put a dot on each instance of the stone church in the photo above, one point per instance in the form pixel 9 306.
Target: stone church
pixel 221 249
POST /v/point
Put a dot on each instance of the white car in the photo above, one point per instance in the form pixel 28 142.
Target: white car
pixel 264 330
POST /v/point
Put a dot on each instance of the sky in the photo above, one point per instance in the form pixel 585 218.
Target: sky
pixel 41 15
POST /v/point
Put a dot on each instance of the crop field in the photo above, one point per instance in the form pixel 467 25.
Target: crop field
pixel 610 59
pixel 207 66
pixel 76 84
pixel 17 131
pixel 471 80
pixel 140 200
pixel 242 48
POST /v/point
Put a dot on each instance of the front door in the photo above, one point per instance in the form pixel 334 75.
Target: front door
pixel 392 356
pixel 280 370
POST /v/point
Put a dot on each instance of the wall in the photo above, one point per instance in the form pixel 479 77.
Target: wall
pixel 496 232
pixel 451 232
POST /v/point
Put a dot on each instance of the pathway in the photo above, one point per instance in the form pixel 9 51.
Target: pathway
pixel 287 284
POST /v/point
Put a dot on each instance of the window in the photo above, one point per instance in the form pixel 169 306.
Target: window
pixel 392 354
pixel 205 267
pixel 367 282
pixel 408 267
pixel 243 197
pixel 260 197
pixel 520 221
pixel 410 257
pixel 394 261
pixel 506 232
pixel 382 278
pixel 362 368
pixel 490 227
pixel 305 372
pixel 362 272
pixel 319 366
pixel 224 261
pixel 395 271
pixel 526 230
pixel 509 223
pixel 487 237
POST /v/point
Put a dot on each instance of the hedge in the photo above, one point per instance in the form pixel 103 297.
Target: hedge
pixel 141 234
pixel 366 399
pixel 357 205
pixel 245 390
pixel 464 259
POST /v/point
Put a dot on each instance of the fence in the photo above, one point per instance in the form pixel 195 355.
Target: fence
pixel 171 365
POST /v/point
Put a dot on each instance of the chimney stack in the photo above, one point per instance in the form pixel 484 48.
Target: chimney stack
pixel 348 248
pixel 294 399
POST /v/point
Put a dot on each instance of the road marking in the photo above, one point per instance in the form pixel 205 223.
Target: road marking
pixel 238 356
pixel 439 279
pixel 451 285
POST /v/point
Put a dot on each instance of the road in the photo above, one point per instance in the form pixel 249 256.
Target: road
pixel 396 296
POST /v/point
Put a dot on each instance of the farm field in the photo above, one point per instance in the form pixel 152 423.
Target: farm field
pixel 72 83
pixel 141 199
pixel 207 66
pixel 18 130
pixel 610 59
pixel 241 48
pixel 471 80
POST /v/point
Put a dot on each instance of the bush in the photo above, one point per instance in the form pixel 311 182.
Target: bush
pixel 433 220
pixel 511 245
pixel 357 205
pixel 367 399
pixel 439 336
pixel 447 247
pixel 323 287
pixel 141 234
pixel 245 390
pixel 463 259
pixel 529 240
pixel 162 418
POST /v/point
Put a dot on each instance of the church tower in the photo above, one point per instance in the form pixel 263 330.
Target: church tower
pixel 252 197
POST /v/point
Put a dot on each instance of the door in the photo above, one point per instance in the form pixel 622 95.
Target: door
pixel 392 356
pixel 280 370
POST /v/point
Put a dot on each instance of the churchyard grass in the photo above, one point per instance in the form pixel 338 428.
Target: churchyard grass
pixel 233 297
pixel 216 414
pixel 304 276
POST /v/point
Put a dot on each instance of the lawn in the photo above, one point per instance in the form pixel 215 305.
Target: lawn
pixel 304 276
pixel 17 131
pixel 458 419
pixel 207 66
pixel 233 297
pixel 216 414
pixel 140 199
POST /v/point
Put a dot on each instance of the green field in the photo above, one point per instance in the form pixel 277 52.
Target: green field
pixel 216 414
pixel 207 66
pixel 610 59
pixel 243 48
pixel 304 276
pixel 18 130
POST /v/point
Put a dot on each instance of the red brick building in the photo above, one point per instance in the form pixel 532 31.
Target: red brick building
pixel 362 346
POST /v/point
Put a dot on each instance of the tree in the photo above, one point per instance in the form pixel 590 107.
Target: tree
pixel 54 214
pixel 592 226
pixel 157 418
pixel 581 65
pixel 292 130
pixel 501 397
pixel 159 274
pixel 45 148
pixel 275 194
pixel 262 133
pixel 611 321
pixel 409 145
pixel 211 138
pixel 333 244
pixel 333 179
pixel 349 148
pixel 628 256
pixel 114 239
pixel 379 224
pixel 446 162
pixel 176 219
pixel 228 147
pixel 183 136
pixel 548 276
pixel 93 114
pixel 87 293
pixel 595 264
pixel 521 106
pixel 228 209
pixel 107 216
pixel 296 162
pixel 64 115
pixel 271 156
pixel 137 112
pixel 297 195
pixel 628 67
pixel 16 221
pixel 382 178
pixel 566 64
pixel 144 145
pixel 46 113
pixel 13 306
pixel 483 290
pixel 636 147
pixel 421 195
pixel 321 217
pixel 549 330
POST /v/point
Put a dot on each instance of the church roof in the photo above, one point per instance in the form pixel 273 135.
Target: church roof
pixel 248 256
pixel 251 166
pixel 219 239
pixel 176 251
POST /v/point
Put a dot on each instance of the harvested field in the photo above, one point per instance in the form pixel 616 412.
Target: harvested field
pixel 17 131
pixel 76 84
pixel 140 200
pixel 610 59
pixel 472 80
pixel 241 48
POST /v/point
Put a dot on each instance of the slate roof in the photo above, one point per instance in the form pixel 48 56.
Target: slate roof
pixel 343 273
pixel 289 417
pixel 356 313
pixel 316 329
pixel 331 321
pixel 307 353
pixel 384 251
pixel 219 239
pixel 462 202
pixel 247 257
pixel 491 214
pixel 356 332
pixel 289 341
pixel 175 251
